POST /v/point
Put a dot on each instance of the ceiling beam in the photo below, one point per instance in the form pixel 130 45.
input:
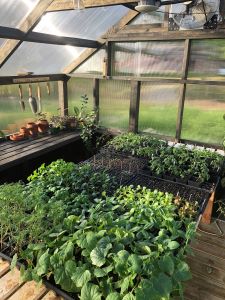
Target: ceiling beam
pixel 89 52
pixel 59 5
pixel 10 46
pixel 36 37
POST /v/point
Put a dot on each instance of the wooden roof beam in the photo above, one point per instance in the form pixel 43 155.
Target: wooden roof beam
pixel 59 5
pixel 89 52
pixel 36 37
pixel 10 46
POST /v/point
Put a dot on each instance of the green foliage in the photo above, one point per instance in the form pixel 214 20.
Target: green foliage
pixel 95 243
pixel 164 159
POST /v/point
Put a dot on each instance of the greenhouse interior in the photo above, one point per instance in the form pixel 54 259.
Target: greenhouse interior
pixel 112 138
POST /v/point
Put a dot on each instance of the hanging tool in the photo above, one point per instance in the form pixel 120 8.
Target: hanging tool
pixel 22 103
pixel 48 88
pixel 39 99
pixel 32 101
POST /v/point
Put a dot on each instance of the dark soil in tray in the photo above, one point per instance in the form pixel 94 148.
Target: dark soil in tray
pixel 117 162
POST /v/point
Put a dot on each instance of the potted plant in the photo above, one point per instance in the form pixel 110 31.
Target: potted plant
pixel 42 123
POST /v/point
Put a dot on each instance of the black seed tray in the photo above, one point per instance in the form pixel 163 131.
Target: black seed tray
pixel 118 163
pixel 185 192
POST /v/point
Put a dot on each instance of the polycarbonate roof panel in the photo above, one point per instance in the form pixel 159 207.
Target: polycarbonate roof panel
pixel 1 42
pixel 13 11
pixel 89 23
pixel 40 59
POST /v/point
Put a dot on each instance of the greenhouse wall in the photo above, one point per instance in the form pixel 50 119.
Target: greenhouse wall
pixel 12 117
pixel 182 85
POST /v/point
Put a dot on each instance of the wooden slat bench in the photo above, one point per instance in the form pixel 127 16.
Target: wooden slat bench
pixel 12 288
pixel 207 263
pixel 14 153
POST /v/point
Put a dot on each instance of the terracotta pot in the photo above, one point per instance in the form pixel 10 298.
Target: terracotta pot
pixel 72 122
pixel 16 137
pixel 43 126
pixel 32 128
pixel 24 131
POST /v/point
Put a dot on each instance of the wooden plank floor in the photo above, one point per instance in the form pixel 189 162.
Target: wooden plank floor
pixel 14 153
pixel 207 263
pixel 12 288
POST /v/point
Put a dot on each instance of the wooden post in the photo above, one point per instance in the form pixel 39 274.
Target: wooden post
pixel 109 58
pixel 63 97
pixel 134 105
pixel 182 89
pixel 96 98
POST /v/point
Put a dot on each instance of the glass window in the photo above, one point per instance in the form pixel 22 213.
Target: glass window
pixel 13 11
pixel 40 59
pixel 11 115
pixel 88 23
pixel 207 60
pixel 203 113
pixel 94 65
pixel 78 87
pixel 158 108
pixel 114 104
pixel 148 59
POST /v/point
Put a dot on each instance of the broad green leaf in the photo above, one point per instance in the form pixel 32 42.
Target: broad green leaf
pixel 64 280
pixel 99 253
pixel 166 264
pixel 129 296
pixel 182 272
pixel 113 296
pixel 90 292
pixel 172 245
pixel 66 251
pixel 81 276
pixel 43 263
pixel 135 263
pixel 125 283
pixel 70 267
pixel 25 275
pixel 162 284
pixel 13 262
pixel 99 273
pixel 97 257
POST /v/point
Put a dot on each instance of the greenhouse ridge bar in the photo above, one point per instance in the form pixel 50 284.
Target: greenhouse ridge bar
pixel 112 138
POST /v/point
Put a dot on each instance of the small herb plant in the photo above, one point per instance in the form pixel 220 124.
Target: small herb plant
pixel 87 123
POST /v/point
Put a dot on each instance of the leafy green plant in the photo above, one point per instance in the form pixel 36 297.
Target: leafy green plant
pixel 130 244
pixel 179 161
pixel 87 121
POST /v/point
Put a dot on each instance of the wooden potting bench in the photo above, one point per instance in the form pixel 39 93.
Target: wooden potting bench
pixel 15 153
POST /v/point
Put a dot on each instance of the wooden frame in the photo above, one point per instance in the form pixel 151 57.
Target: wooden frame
pixel 37 37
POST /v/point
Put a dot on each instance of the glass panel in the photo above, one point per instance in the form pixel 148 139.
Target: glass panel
pixel 87 23
pixel 40 59
pixel 13 11
pixel 78 87
pixel 148 59
pixel 114 104
pixel 158 108
pixel 203 113
pixel 207 60
pixel 156 17
pixel 11 115
pixel 94 65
